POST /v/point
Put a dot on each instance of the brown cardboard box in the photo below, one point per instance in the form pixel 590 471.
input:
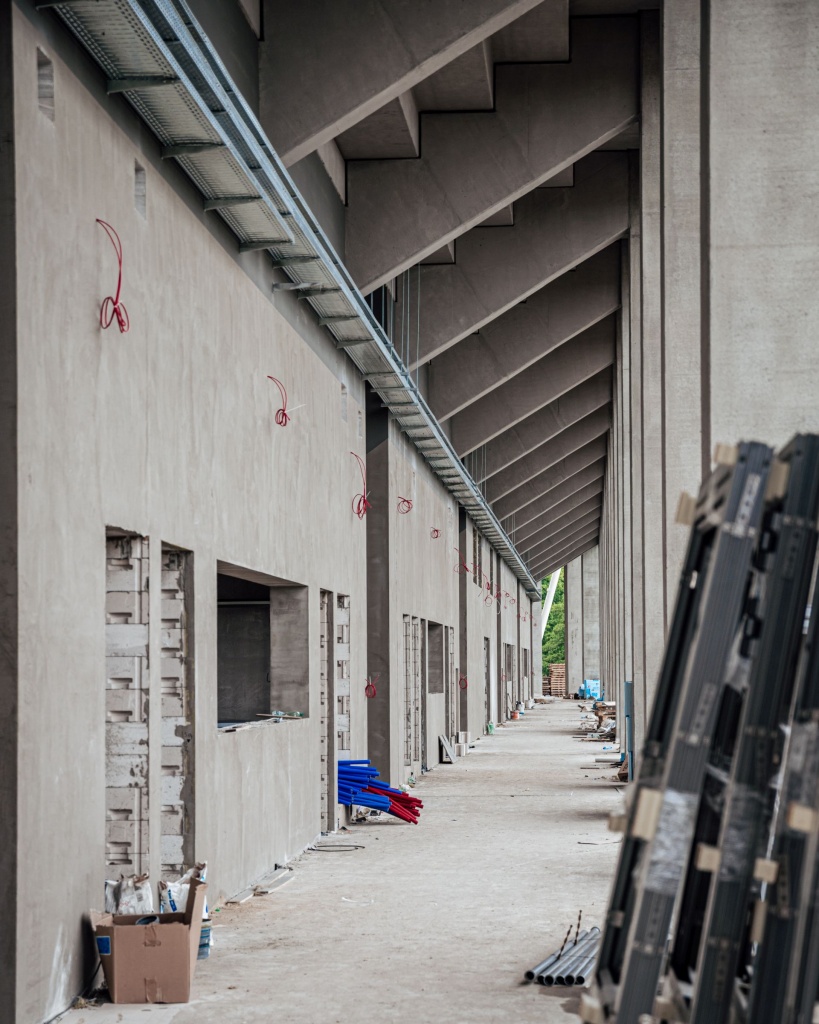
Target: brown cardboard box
pixel 151 963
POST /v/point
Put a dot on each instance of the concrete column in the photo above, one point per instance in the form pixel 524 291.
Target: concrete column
pixel 635 435
pixel 623 388
pixel 8 530
pixel 574 625
pixel 653 538
pixel 685 459
pixel 761 225
pixel 590 568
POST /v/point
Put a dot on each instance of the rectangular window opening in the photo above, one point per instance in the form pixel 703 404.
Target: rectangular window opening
pixel 45 84
pixel 140 190
pixel 262 648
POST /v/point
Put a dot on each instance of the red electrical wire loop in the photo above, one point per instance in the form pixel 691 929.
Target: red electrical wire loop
pixel 435 533
pixel 360 503
pixel 111 306
pixel 370 690
pixel 463 682
pixel 461 568
pixel 404 505
pixel 282 416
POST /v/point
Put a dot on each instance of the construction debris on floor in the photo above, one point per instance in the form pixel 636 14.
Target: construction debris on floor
pixel 359 785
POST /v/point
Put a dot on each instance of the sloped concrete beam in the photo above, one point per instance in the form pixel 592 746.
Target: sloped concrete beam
pixel 566 523
pixel 549 378
pixel 546 455
pixel 390 132
pixel 518 499
pixel 326 65
pixel 466 83
pixel 555 230
pixel 543 519
pixel 548 539
pixel 504 347
pixel 580 523
pixel 546 117
pixel 560 558
pixel 543 425
pixel 552 478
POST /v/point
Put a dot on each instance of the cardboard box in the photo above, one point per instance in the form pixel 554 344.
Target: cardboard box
pixel 151 963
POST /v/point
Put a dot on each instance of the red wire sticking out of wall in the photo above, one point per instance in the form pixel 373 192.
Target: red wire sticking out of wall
pixel 111 307
pixel 404 505
pixel 282 416
pixel 360 503
pixel 370 690
pixel 461 568
pixel 463 682
pixel 435 533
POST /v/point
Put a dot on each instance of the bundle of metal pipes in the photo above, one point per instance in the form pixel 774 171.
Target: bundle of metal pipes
pixel 570 965
pixel 358 783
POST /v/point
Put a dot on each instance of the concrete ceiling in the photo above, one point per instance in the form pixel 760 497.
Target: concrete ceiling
pixel 487 191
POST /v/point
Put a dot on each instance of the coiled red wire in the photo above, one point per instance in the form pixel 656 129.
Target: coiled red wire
pixel 461 568
pixel 360 503
pixel 463 682
pixel 111 307
pixel 282 416
pixel 435 533
pixel 369 689
pixel 404 505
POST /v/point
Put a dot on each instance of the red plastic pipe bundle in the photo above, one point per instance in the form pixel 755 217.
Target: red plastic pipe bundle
pixel 402 805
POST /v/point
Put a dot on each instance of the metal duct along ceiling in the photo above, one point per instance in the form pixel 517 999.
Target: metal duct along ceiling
pixel 155 53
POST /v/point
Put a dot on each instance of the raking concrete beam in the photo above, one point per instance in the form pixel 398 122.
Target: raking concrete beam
pixel 555 229
pixel 549 378
pixel 546 118
pixel 506 346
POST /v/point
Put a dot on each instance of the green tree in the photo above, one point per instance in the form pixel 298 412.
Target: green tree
pixel 554 636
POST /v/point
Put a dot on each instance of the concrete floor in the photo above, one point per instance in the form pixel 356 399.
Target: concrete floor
pixel 429 923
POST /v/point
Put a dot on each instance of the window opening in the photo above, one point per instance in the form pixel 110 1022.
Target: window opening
pixel 408 691
pixel 126 703
pixel 262 652
pixel 176 666
pixel 343 671
pixel 45 84
pixel 140 190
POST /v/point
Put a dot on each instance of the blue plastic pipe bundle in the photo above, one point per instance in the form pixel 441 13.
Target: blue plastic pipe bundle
pixel 354 778
pixel 358 783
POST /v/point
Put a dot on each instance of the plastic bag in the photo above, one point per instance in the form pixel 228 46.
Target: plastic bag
pixel 173 896
pixel 134 895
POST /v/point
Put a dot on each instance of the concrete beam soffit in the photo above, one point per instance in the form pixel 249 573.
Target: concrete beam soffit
pixel 558 448
pixel 546 118
pixel 555 230
pixel 545 381
pixel 329 64
pixel 529 330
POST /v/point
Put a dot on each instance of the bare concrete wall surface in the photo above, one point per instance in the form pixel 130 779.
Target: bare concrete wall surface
pixel 590 565
pixel 761 241
pixel 157 432
pixel 9 524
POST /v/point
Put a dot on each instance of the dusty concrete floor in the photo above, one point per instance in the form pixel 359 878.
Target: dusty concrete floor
pixel 429 923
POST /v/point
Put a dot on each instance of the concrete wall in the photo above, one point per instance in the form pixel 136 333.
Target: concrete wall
pixel 158 431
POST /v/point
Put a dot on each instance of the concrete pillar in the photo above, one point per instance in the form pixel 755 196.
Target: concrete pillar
pixel 8 530
pixel 590 568
pixel 761 225
pixel 685 458
pixel 574 625
pixel 635 439
pixel 653 537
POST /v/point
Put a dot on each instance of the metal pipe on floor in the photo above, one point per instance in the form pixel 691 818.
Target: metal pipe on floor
pixel 570 968
pixel 531 974
pixel 557 968
pixel 585 969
